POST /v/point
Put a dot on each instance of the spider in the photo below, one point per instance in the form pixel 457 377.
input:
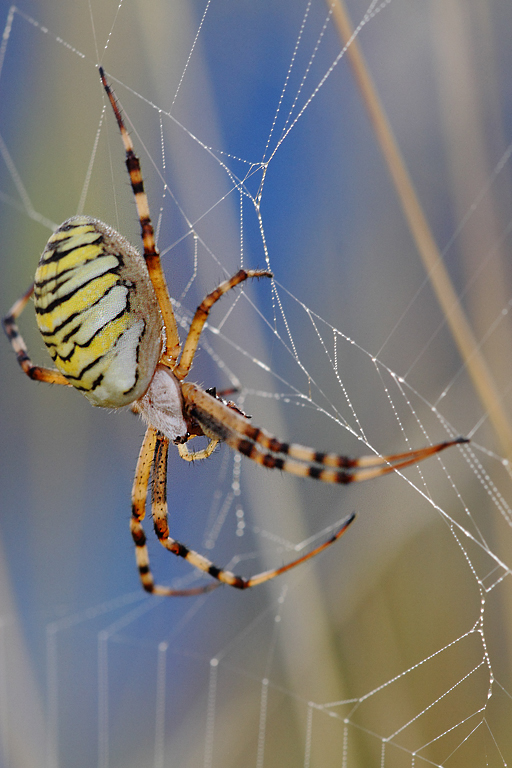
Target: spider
pixel 106 317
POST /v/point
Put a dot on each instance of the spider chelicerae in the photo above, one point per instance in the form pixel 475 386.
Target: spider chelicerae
pixel 105 314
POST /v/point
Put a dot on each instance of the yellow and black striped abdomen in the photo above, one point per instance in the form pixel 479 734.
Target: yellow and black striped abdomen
pixel 97 312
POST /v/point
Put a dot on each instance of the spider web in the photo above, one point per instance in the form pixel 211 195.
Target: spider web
pixel 392 648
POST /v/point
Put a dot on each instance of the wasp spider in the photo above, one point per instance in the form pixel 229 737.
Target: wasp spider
pixel 105 315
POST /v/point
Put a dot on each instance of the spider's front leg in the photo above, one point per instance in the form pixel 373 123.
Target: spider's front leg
pixel 159 512
pixel 196 431
pixel 153 446
pixel 218 421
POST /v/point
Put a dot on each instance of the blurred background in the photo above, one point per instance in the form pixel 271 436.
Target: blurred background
pixel 381 651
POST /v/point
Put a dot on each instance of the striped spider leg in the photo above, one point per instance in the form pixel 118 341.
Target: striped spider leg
pixel 36 372
pixel 154 453
pixel 106 317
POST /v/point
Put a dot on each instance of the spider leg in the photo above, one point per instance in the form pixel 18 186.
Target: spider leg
pixel 139 493
pixel 36 372
pixel 202 312
pixel 151 254
pixel 159 511
pixel 260 578
pixel 217 420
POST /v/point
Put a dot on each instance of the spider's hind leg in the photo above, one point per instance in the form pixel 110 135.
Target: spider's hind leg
pixel 151 254
pixel 36 372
